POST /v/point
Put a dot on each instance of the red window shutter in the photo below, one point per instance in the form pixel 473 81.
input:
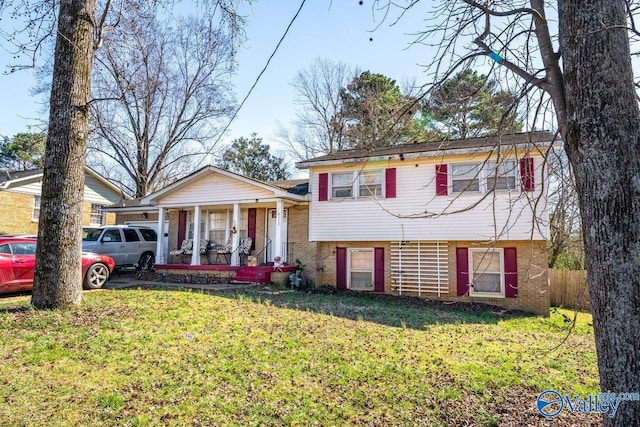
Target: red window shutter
pixel 182 226
pixel 441 180
pixel 390 183
pixel 341 268
pixel 462 270
pixel 378 270
pixel 251 226
pixel 510 273
pixel 527 174
pixel 323 187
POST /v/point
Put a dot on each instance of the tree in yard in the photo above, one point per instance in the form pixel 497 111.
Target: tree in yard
pixel 162 86
pixel 23 151
pixel 468 105
pixel 341 108
pixel 318 127
pixel 251 158
pixel 585 75
pixel 375 113
pixel 78 31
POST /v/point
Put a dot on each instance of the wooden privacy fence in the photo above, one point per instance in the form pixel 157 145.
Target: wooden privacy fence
pixel 568 288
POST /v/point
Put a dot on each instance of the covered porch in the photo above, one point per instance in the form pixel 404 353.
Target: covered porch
pixel 253 234
pixel 219 219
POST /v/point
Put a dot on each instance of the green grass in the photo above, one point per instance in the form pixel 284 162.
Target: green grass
pixel 273 357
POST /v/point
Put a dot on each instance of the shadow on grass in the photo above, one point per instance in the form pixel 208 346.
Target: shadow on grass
pixel 384 309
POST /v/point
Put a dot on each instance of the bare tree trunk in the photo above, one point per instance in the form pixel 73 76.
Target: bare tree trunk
pixel 58 281
pixel 603 144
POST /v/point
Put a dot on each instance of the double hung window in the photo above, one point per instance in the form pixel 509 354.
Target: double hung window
pixel 360 269
pixel 35 214
pixel 483 177
pixel 486 271
pixel 341 185
pixel 355 185
pixel 97 217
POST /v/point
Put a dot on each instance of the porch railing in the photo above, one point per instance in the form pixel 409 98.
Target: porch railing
pixel 261 256
pixel 267 251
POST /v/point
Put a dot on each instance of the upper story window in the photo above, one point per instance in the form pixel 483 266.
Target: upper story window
pixel 97 216
pixel 35 215
pixel 465 177
pixel 370 184
pixel 501 175
pixel 357 184
pixel 481 177
pixel 341 185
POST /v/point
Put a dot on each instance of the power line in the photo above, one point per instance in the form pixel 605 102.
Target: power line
pixel 255 83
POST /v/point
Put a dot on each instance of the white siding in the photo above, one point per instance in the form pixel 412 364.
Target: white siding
pixel 30 186
pixel 95 191
pixel 417 214
pixel 215 188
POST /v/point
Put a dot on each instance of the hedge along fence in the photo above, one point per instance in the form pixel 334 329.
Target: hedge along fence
pixel 569 289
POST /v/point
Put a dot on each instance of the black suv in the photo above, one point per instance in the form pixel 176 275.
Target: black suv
pixel 129 246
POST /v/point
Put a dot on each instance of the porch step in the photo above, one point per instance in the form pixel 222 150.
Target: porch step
pixel 253 275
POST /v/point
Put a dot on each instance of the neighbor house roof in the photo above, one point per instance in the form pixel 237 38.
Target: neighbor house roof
pixel 483 144
pixel 8 177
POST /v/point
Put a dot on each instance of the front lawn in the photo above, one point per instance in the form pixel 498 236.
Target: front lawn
pixel 268 356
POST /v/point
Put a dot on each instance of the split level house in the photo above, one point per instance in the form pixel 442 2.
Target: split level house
pixel 462 220
pixel 20 193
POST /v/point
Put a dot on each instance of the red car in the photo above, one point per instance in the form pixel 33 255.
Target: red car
pixel 18 260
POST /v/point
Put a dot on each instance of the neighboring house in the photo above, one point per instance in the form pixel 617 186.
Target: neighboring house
pixel 458 220
pixel 462 220
pixel 20 200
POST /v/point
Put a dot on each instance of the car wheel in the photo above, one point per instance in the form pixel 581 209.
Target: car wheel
pixel 146 262
pixel 97 275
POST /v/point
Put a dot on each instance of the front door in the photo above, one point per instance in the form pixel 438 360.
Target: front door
pixel 271 234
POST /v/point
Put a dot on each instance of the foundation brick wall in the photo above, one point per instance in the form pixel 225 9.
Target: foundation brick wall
pixel 533 284
pixel 326 260
pixel 533 288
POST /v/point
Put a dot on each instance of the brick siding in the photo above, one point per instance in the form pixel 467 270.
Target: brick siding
pixel 533 289
pixel 16 213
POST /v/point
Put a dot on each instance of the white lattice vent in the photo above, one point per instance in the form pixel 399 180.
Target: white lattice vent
pixel 420 267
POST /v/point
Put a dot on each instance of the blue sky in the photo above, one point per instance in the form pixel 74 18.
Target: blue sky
pixel 339 30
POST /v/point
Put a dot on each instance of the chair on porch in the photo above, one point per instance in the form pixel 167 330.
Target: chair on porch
pixel 186 246
pixel 244 248
pixel 202 250
pixel 225 251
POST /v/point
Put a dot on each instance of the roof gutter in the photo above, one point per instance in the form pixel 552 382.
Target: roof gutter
pixel 538 147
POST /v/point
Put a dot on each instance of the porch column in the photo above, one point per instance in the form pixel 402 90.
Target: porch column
pixel 279 241
pixel 235 256
pixel 195 258
pixel 160 242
